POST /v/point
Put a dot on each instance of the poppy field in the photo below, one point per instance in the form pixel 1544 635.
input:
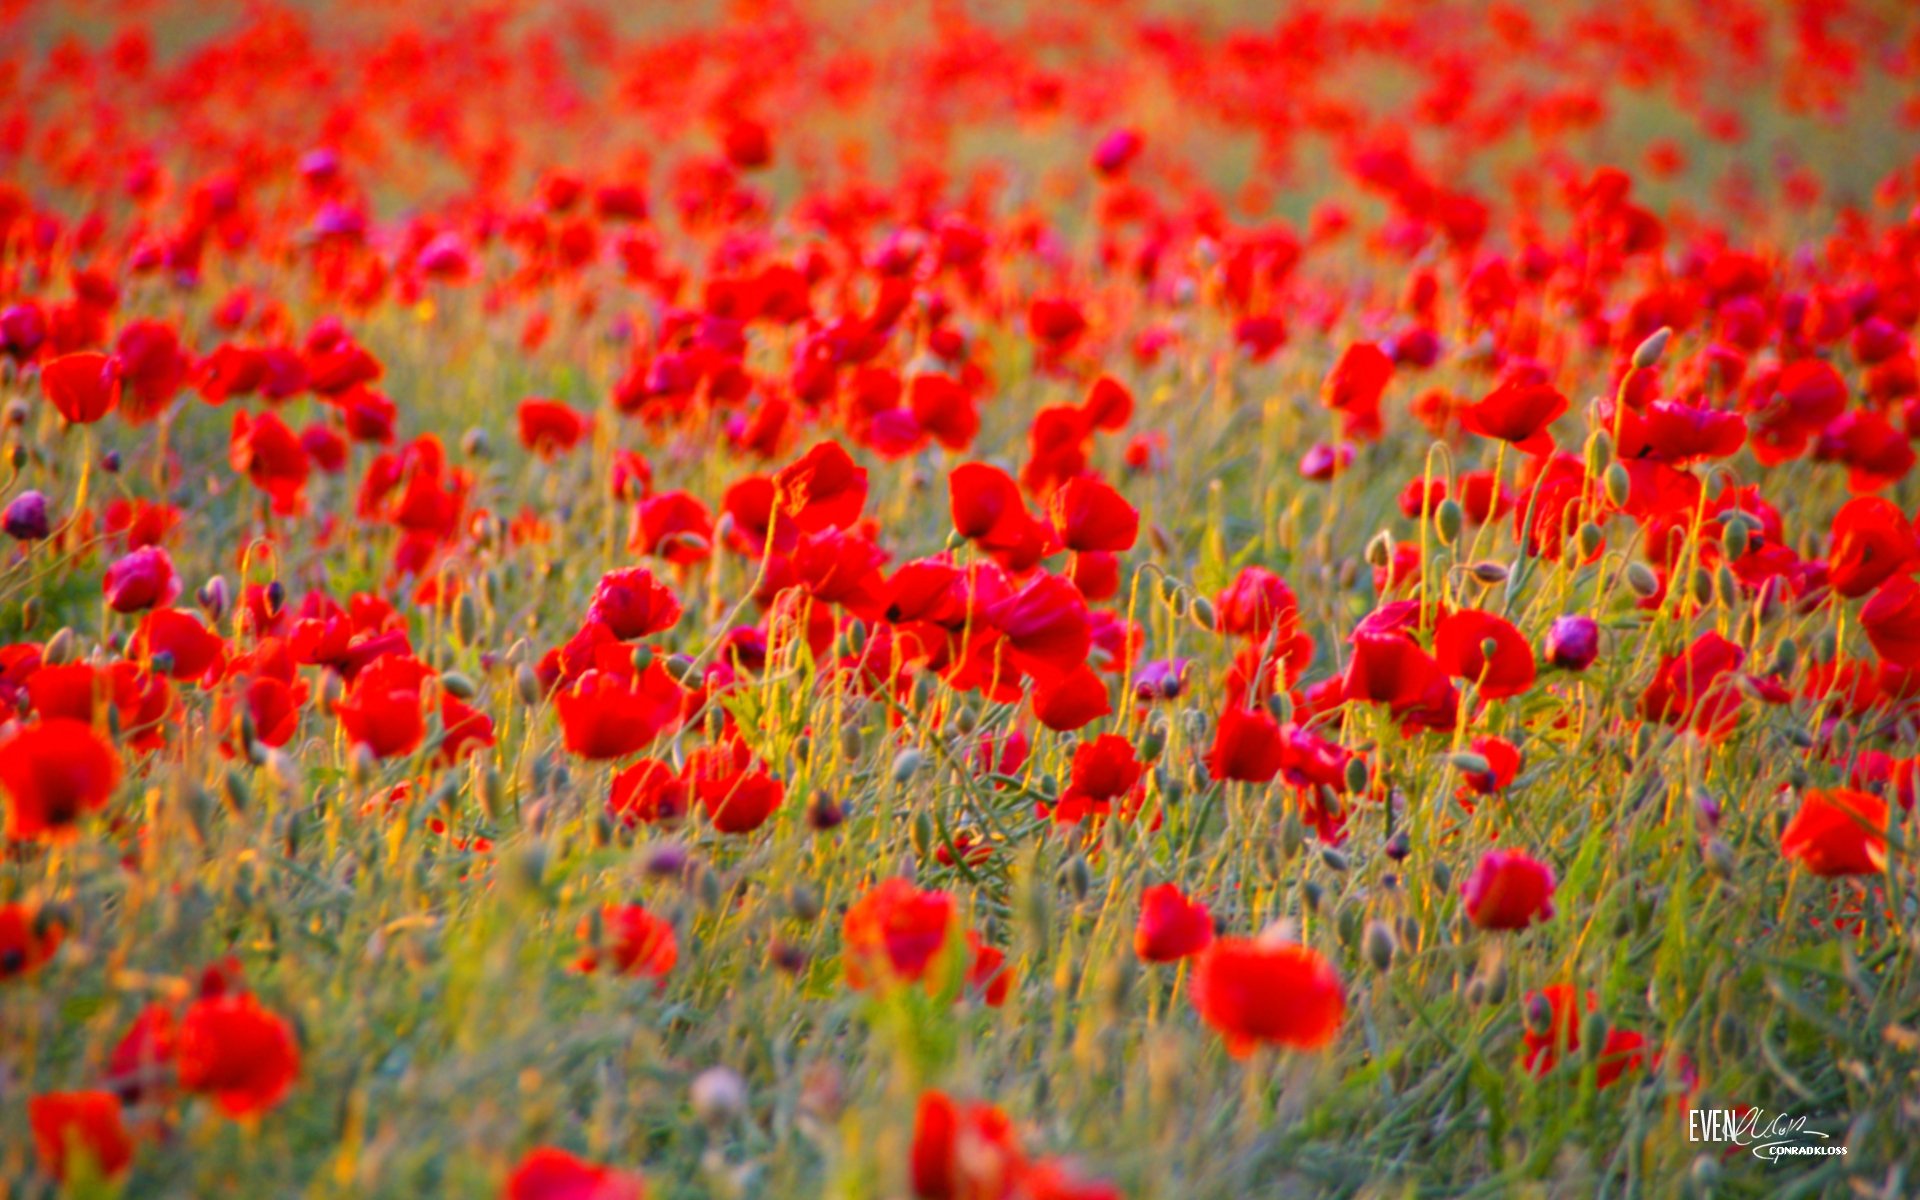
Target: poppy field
pixel 959 600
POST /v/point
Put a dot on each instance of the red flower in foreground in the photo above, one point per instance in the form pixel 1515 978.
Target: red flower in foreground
pixel 1892 621
pixel 1838 832
pixel 1258 991
pixel 549 428
pixel 1246 747
pixel 1872 542
pixel 633 604
pixel 1484 649
pixel 1509 890
pixel 547 1173
pixel 55 772
pixel 84 387
pixel 1171 926
pixel 237 1051
pixel 70 1125
pixel 381 711
pixel 609 715
pixel 894 932
pixel 632 941
pixel 1517 413
pixel 28 938
pixel 963 1151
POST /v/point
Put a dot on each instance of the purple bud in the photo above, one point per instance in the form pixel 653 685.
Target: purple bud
pixel 26 517
pixel 1573 643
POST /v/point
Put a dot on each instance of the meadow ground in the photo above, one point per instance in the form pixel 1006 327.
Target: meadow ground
pixel 959 600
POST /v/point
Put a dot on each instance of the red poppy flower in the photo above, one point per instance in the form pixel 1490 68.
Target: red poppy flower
pixel 550 428
pixel 1070 700
pixel 140 580
pixel 54 772
pixel 609 714
pixel 1838 831
pixel 1105 769
pixel 271 455
pixel 1354 388
pixel 382 710
pixel 1519 414
pixel 824 489
pixel 1560 1032
pixel 632 941
pixel 1255 604
pixel 84 387
pixel 986 505
pixel 237 1051
pixel 1891 620
pixel 178 645
pixel 963 1151
pixel 1503 766
pixel 85 1125
pixel 737 796
pixel 1090 515
pixel 1872 542
pixel 547 1173
pixel 1247 747
pixel 674 526
pixel 1697 687
pixel 1460 646
pixel 633 604
pixel 1509 890
pixel 649 791
pixel 1256 992
pixel 1171 926
pixel 894 933
pixel 28 938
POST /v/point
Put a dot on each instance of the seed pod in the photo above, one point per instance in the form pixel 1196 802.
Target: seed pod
pixel 466 619
pixel 1379 945
pixel 1642 580
pixel 906 764
pixel 1380 550
pixel 1079 877
pixel 528 685
pixel 459 686
pixel 59 649
pixel 1448 520
pixel 1618 484
pixel 1647 354
pixel 1356 772
pixel 803 903
pixel 1202 613
pixel 1591 539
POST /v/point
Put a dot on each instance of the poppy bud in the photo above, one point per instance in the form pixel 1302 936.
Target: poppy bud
pixel 1293 836
pixel 683 670
pixel 1734 538
pixel 1573 642
pixel 1079 877
pixel 1399 846
pixel 1786 657
pixel 1380 550
pixel 1489 572
pixel 1647 354
pixel 1356 772
pixel 59 649
pixel 493 793
pixel 1116 983
pixel 1642 580
pixel 466 619
pixel 1619 485
pixel 906 764
pixel 17 412
pixel 1442 876
pixel 458 686
pixel 110 462
pixel 1469 763
pixel 1448 519
pixel 26 517
pixel 239 793
pixel 1593 1034
pixel 1203 613
pixel 1537 1014
pixel 1591 539
pixel 923 833
pixel 528 685
pixel 1379 945
pixel 1153 744
pixel 476 444
pixel 1311 893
